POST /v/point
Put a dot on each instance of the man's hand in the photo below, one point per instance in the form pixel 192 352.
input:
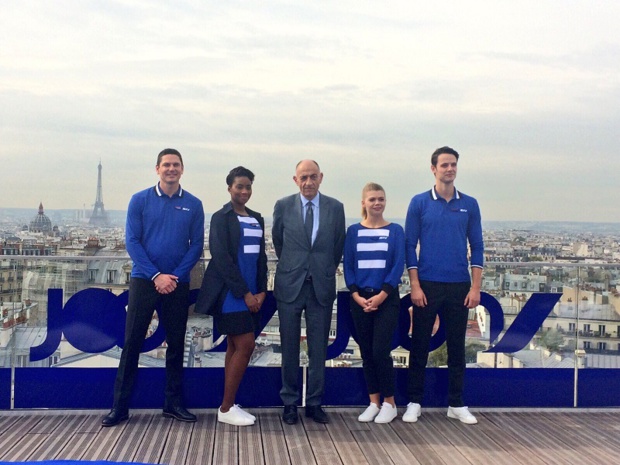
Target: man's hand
pixel 418 298
pixel 165 283
pixel 473 298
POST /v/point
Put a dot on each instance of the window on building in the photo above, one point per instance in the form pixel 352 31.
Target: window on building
pixel 111 275
pixel 586 328
pixel 92 276
pixel 571 327
pixel 602 346
pixel 601 330
pixel 586 345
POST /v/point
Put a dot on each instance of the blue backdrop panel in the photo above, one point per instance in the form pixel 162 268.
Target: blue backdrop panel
pixel 260 387
pixel 92 388
pixel 517 387
pixel 5 388
pixel 599 387
pixel 64 388
pixel 483 387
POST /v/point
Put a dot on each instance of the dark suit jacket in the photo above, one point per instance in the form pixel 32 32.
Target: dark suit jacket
pixel 297 257
pixel 222 273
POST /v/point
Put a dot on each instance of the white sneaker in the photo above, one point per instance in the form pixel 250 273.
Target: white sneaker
pixel 369 414
pixel 234 416
pixel 247 414
pixel 462 414
pixel 413 412
pixel 387 413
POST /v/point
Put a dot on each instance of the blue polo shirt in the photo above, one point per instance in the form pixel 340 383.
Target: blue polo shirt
pixel 164 234
pixel 443 230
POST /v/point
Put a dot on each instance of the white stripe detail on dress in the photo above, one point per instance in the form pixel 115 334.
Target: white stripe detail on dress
pixel 372 247
pixel 249 232
pixel 373 232
pixel 365 264
pixel 251 248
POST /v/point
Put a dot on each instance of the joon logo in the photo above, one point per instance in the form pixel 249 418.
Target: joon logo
pixel 93 321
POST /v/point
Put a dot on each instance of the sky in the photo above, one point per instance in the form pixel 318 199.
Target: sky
pixel 528 92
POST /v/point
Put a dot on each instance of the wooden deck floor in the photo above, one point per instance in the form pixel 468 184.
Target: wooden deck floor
pixel 501 437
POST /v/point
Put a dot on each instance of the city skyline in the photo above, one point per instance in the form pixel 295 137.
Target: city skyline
pixel 525 92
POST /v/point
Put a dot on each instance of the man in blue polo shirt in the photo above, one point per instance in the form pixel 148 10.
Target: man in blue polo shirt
pixel 443 221
pixel 164 238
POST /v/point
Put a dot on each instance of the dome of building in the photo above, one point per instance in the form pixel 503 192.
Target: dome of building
pixel 41 222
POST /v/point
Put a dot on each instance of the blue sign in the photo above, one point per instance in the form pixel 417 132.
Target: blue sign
pixel 93 321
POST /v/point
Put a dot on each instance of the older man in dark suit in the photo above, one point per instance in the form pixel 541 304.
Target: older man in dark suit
pixel 308 235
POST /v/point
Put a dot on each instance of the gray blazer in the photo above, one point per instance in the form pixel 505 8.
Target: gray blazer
pixel 297 257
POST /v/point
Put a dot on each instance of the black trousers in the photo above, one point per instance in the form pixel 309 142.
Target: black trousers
pixel 374 334
pixel 447 300
pixel 143 298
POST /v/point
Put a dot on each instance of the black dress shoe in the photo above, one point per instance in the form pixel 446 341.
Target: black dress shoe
pixel 290 414
pixel 115 417
pixel 316 413
pixel 179 413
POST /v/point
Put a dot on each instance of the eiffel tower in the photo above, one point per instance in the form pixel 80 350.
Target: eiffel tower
pixel 99 217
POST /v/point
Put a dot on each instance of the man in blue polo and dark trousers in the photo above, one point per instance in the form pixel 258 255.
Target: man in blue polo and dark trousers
pixel 443 221
pixel 164 238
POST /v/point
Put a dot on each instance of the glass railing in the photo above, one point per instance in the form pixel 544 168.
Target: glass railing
pixel 545 334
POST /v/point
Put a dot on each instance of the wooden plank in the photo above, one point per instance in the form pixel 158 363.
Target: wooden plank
pixel 57 440
pixel 320 441
pixel 92 424
pixel 299 449
pixel 415 437
pixel 323 447
pixel 454 432
pixel 7 422
pixel 75 446
pixel 346 445
pixel 352 423
pixel 537 444
pixel 373 450
pixel 274 443
pixel 226 448
pixel 203 440
pixel 394 447
pixel 251 444
pixel 108 438
pixel 177 446
pixel 437 441
pixel 506 447
pixel 152 444
pixel 591 448
pixel 13 442
pixel 33 439
pixel 605 426
pixel 81 439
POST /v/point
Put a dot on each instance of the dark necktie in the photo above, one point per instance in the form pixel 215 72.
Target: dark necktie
pixel 309 221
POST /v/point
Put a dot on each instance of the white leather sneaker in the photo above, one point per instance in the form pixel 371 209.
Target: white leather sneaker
pixel 247 414
pixel 234 416
pixel 369 414
pixel 387 413
pixel 413 412
pixel 462 414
